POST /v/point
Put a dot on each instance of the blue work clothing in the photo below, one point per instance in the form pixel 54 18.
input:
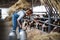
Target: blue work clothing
pixel 17 16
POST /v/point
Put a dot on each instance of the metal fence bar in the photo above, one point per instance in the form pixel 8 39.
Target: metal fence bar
pixel 48 23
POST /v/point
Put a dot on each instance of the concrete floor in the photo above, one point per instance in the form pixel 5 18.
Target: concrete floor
pixel 4 30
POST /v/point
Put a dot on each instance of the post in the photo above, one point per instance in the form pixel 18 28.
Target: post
pixel 48 8
pixel 0 13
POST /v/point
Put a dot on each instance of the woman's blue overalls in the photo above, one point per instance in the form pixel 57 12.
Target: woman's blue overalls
pixel 14 21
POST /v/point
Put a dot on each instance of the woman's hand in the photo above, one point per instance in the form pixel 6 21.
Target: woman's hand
pixel 19 24
pixel 24 28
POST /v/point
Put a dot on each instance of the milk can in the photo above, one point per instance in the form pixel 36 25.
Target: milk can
pixel 12 36
pixel 23 35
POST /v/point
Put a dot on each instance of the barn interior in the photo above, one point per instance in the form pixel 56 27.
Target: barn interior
pixel 45 23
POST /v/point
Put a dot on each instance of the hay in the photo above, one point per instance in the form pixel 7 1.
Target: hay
pixel 18 5
pixel 34 33
pixel 8 18
pixel 38 35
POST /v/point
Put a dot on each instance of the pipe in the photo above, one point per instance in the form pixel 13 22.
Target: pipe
pixel 48 23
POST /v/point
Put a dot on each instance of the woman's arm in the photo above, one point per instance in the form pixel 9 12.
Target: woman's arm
pixel 20 17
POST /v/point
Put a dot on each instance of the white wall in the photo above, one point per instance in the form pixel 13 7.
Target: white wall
pixel 39 9
pixel 4 12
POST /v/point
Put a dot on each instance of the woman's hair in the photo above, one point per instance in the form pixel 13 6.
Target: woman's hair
pixel 30 10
